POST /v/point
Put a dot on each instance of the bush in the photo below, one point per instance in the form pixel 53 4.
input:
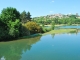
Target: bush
pixel 33 27
pixel 25 31
pixel 46 29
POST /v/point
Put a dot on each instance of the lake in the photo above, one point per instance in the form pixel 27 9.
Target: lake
pixel 48 47
pixel 77 27
pixel 65 27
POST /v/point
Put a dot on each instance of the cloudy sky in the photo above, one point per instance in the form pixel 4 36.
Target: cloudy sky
pixel 43 7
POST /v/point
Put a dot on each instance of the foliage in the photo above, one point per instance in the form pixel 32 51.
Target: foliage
pixel 23 17
pixel 52 25
pixel 9 13
pixel 28 16
pixel 3 31
pixel 11 27
pixel 45 29
pixel 14 28
pixel 59 31
pixel 46 20
pixel 33 27
pixel 25 31
pixel 10 23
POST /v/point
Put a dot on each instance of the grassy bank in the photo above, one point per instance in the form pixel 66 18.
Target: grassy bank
pixel 62 25
pixel 60 31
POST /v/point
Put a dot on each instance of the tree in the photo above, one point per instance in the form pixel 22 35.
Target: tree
pixel 11 21
pixel 14 28
pixel 9 13
pixel 56 20
pixel 3 31
pixel 28 16
pixel 73 16
pixel 23 17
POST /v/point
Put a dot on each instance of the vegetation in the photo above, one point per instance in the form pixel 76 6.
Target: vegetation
pixel 14 25
pixel 33 27
pixel 60 31
pixel 11 24
pixel 66 19
pixel 25 17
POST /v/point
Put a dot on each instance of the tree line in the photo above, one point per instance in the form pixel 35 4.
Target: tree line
pixel 14 24
pixel 69 20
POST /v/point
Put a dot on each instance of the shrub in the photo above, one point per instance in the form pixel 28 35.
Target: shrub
pixel 46 29
pixel 25 31
pixel 33 27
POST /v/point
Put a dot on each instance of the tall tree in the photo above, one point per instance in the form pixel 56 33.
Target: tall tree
pixel 28 16
pixel 23 17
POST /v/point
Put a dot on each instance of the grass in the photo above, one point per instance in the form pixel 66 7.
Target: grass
pixel 60 31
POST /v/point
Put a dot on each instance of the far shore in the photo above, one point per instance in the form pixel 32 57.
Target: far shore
pixel 62 25
pixel 61 31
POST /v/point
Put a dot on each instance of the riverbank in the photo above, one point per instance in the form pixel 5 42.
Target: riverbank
pixel 63 25
pixel 60 31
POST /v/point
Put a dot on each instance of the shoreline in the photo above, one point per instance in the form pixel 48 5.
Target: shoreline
pixel 63 25
pixel 60 31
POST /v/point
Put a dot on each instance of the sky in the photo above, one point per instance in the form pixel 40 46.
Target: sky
pixel 43 7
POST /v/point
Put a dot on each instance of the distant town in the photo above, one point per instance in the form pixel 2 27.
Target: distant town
pixel 59 15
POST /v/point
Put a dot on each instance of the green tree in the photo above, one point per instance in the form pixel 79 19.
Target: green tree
pixel 3 31
pixel 28 16
pixel 14 28
pixel 23 17
pixel 11 19
pixel 9 13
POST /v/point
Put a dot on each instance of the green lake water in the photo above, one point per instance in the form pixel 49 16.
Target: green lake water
pixel 49 47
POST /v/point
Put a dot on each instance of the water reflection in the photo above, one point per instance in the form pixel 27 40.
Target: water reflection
pixel 70 33
pixel 77 30
pixel 74 27
pixel 2 58
pixel 60 47
pixel 52 35
pixel 14 49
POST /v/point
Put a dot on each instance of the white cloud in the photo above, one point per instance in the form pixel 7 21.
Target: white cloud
pixel 52 1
